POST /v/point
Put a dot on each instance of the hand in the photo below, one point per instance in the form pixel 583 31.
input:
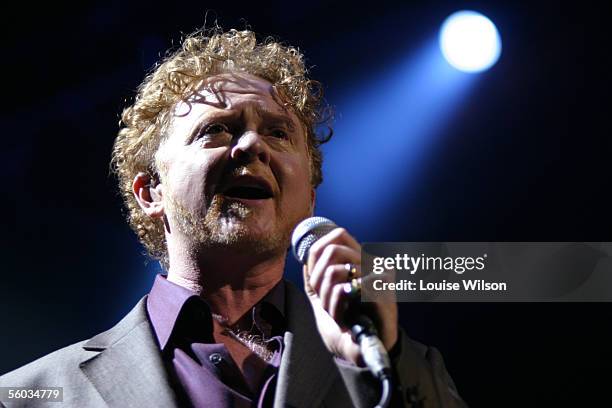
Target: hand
pixel 325 275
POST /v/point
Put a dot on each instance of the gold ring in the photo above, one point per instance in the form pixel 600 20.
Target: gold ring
pixel 352 271
pixel 353 287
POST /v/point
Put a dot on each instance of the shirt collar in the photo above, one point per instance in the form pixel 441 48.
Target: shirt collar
pixel 164 305
pixel 166 302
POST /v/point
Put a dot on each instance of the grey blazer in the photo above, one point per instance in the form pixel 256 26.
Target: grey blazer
pixel 123 367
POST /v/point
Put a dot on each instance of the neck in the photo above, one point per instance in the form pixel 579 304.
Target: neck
pixel 231 281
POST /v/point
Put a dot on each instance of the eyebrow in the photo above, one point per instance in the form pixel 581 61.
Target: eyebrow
pixel 260 111
pixel 275 117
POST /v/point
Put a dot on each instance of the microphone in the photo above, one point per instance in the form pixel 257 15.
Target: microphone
pixel 362 328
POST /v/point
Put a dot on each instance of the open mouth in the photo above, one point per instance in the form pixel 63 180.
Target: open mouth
pixel 248 192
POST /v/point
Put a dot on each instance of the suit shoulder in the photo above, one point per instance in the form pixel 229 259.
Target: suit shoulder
pixel 420 348
pixel 56 367
pixel 62 367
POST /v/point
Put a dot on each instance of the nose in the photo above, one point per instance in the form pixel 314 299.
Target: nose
pixel 250 146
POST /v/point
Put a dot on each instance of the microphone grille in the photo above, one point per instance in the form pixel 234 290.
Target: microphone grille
pixel 307 233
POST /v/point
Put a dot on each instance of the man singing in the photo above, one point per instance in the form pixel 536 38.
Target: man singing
pixel 217 161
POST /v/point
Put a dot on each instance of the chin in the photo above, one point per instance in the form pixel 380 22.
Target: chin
pixel 245 233
pixel 256 243
pixel 233 225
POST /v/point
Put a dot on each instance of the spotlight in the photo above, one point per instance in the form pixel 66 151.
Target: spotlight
pixel 469 41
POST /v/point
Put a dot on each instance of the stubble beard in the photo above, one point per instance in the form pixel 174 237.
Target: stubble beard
pixel 224 226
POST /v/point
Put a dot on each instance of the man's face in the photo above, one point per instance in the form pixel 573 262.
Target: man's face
pixel 234 168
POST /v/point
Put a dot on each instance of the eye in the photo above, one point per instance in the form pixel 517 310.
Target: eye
pixel 279 133
pixel 215 128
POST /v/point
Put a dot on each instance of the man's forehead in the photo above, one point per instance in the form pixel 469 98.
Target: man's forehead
pixel 221 91
pixel 238 83
pixel 224 92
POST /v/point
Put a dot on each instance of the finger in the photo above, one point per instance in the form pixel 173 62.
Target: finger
pixel 334 275
pixel 307 288
pixel 331 255
pixel 338 302
pixel 338 236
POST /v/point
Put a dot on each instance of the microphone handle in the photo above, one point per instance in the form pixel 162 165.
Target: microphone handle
pixel 372 349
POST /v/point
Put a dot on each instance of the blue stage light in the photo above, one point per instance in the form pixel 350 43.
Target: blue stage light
pixel 386 126
pixel 469 41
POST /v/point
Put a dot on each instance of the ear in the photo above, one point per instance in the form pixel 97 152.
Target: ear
pixel 148 194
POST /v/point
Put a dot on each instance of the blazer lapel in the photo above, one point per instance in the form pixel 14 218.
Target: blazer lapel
pixel 129 370
pixel 307 368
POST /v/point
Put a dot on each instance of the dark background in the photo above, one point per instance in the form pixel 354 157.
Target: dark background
pixel 528 161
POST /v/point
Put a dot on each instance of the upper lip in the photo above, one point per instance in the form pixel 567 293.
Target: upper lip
pixel 248 181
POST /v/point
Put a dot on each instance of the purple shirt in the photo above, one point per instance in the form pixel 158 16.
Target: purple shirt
pixel 204 372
